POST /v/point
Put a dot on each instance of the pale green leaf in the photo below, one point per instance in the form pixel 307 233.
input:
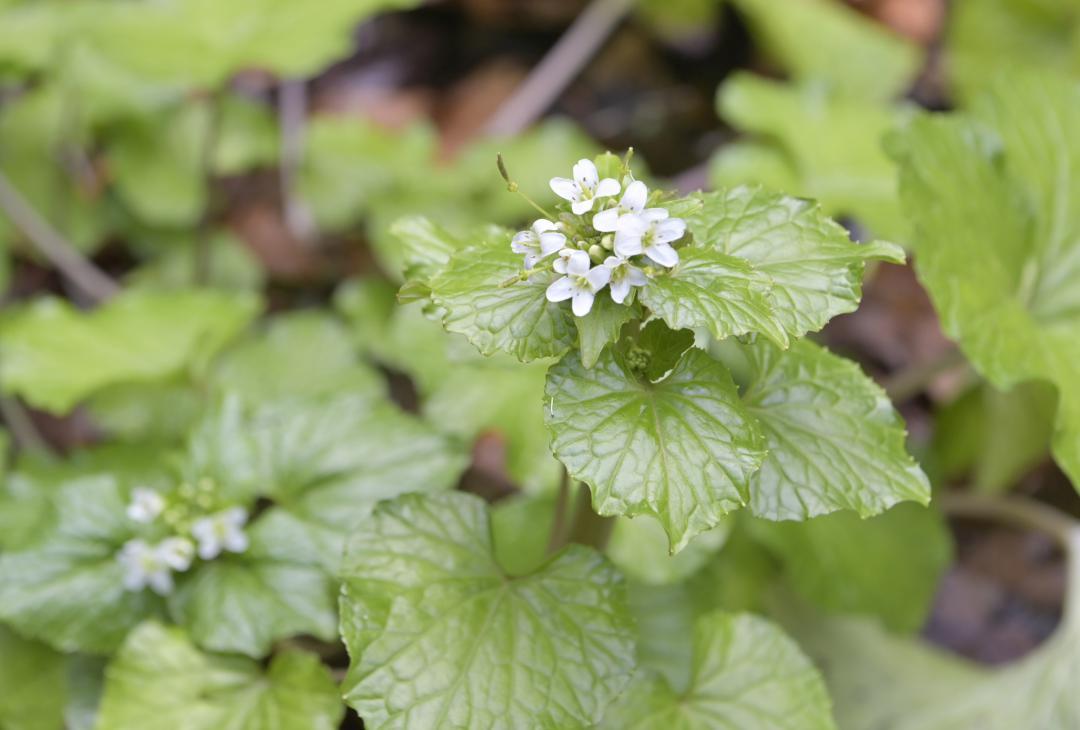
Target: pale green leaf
pixel 815 268
pixel 639 548
pixel 843 49
pixel 834 440
pixel 32 684
pixel 746 673
pixel 682 449
pixel 440 637
pixel 720 292
pixel 484 301
pixel 810 143
pixel 1002 266
pixel 55 356
pixel 887 566
pixel 601 326
pixel 161 681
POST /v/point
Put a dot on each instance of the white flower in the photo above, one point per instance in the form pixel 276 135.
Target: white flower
pixel 563 261
pixel 145 505
pixel 633 201
pixel 144 566
pixel 176 552
pixel 651 233
pixel 538 243
pixel 221 531
pixel 580 283
pixel 623 276
pixel 585 188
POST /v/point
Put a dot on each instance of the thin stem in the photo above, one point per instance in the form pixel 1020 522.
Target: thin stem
pixel 292 113
pixel 559 67
pixel 23 430
pixel 558 526
pixel 94 283
pixel 207 152
pixel 908 383
pixel 589 528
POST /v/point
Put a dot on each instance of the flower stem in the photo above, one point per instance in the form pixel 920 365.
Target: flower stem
pixel 908 383
pixel 558 525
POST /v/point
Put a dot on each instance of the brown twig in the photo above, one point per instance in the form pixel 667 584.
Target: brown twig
pixel 558 68
pixel 23 430
pixel 908 383
pixel 92 281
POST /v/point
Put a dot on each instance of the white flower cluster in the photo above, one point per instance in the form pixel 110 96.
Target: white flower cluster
pixel 152 565
pixel 619 246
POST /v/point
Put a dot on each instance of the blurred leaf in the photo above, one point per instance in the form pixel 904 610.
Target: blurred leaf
pixel 1001 265
pixel 55 356
pixel 834 440
pixel 161 681
pixel 520 529
pixel 418 585
pixel 642 448
pixel 887 566
pixel 232 266
pixel 675 19
pixel 745 673
pixel 639 548
pixel 846 51
pixel 809 143
pixel 32 684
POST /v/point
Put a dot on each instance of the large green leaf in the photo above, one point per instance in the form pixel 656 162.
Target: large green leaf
pixel 834 440
pixel 1002 265
pixel 55 356
pixel 67 589
pixel 682 449
pixel 161 681
pixel 745 673
pixel 845 51
pixel 484 302
pixel 815 268
pixel 440 637
pixel 32 684
pixel 887 566
pixel 822 146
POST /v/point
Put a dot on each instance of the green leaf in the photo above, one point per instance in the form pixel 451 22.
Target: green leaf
pixel 846 51
pixel 33 684
pixel 682 449
pixel 834 440
pixel 160 681
pixel 638 547
pixel 244 603
pixel 601 326
pixel 837 561
pixel 712 289
pixel 440 637
pixel 1002 266
pixel 55 356
pixel 813 144
pixel 66 589
pixel 746 673
pixel 815 268
pixel 515 317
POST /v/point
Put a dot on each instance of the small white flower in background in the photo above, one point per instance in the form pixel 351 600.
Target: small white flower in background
pixel 580 283
pixel 221 531
pixel 585 188
pixel 177 553
pixel 633 201
pixel 539 243
pixel 651 233
pixel 145 565
pixel 623 276
pixel 145 505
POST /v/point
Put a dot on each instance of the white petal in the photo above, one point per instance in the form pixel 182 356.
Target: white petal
pixel 619 290
pixel 583 300
pixel 202 529
pixel 161 582
pixel 636 276
pixel 579 263
pixel 237 542
pixel 632 225
pixel 560 290
pixel 210 548
pixel 543 225
pixel 522 247
pixel 670 230
pixel 633 200
pixel 176 552
pixel 607 186
pixel 550 243
pixel 662 254
pixel 565 188
pixel 530 260
pixel 585 174
pixel 581 207
pixel 627 245
pixel 654 214
pixel 598 277
pixel 235 516
pixel 606 220
pixel 614 261
pixel 564 257
pixel 134 580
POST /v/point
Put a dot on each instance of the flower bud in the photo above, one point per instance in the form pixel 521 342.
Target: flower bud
pixel 597 254
pixel 608 242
